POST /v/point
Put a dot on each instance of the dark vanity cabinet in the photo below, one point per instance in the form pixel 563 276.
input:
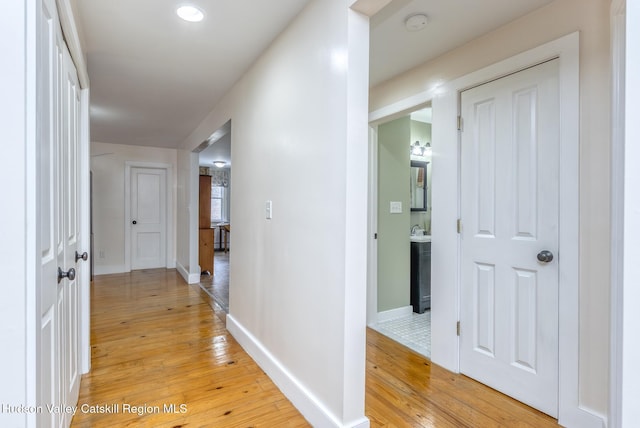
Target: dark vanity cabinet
pixel 420 276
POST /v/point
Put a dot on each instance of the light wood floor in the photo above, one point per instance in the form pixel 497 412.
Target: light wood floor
pixel 157 341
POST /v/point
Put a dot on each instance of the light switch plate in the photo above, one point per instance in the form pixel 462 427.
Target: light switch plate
pixel 269 210
pixel 395 207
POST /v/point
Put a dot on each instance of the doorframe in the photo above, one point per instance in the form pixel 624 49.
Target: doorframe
pixel 445 99
pixel 169 240
pixel 372 229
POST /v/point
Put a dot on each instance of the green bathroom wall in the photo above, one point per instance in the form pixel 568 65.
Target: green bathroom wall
pixel 393 229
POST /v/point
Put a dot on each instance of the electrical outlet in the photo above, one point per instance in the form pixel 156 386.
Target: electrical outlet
pixel 395 207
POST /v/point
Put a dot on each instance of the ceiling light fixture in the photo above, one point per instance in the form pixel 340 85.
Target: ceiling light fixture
pixel 190 13
pixel 219 164
pixel 416 22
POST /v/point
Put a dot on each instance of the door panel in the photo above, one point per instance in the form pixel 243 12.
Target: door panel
pixel 70 290
pixel 509 209
pixel 48 149
pixel 148 211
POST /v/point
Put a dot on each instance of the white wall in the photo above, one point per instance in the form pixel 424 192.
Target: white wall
pixel 591 18
pixel 187 216
pixel 299 139
pixel 108 166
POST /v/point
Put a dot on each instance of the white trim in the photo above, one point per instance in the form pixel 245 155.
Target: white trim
pixel 394 314
pixel 445 173
pixel 71 37
pixel 310 406
pixel 170 262
pixel 630 411
pixel 372 217
pixel 617 208
pixel 400 108
pixel 190 278
pixel 85 235
pixel 25 54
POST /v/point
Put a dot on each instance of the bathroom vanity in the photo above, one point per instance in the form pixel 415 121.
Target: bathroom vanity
pixel 420 273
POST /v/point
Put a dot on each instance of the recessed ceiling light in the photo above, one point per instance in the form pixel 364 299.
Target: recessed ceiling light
pixel 190 13
pixel 416 22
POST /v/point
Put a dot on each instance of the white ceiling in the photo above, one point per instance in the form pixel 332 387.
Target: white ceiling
pixel 155 77
pixel 451 23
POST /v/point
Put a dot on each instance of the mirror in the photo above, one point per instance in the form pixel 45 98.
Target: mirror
pixel 418 186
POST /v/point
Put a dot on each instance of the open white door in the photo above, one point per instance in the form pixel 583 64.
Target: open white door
pixel 510 215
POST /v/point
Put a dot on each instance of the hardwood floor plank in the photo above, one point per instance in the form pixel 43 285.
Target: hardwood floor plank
pixel 157 341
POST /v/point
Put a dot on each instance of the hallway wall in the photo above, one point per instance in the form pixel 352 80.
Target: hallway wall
pixel 108 167
pixel 298 281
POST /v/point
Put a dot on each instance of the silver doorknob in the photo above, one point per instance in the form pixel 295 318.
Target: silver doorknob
pixel 71 274
pixel 545 256
pixel 84 256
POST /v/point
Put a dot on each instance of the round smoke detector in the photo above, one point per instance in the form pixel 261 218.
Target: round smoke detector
pixel 416 22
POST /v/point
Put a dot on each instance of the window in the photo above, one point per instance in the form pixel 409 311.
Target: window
pixel 217 204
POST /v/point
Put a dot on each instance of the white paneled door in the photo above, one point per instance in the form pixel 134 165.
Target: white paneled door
pixel 58 92
pixel 510 216
pixel 148 218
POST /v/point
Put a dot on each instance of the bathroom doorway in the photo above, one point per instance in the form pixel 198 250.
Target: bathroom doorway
pixel 401 165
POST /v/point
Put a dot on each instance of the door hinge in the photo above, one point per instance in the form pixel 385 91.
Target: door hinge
pixel 459 225
pixel 458 328
pixel 375 236
pixel 459 123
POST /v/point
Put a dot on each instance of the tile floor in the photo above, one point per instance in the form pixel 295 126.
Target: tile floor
pixel 413 331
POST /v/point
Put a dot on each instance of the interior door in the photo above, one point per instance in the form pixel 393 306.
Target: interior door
pixel 57 233
pixel 509 241
pixel 148 217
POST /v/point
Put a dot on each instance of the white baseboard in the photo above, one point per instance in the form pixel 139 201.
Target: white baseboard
pixel 311 408
pixel 394 314
pixel 580 417
pixel 190 278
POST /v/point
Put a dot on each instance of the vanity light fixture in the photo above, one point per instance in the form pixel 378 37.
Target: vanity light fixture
pixel 418 150
pixel 219 164
pixel 190 13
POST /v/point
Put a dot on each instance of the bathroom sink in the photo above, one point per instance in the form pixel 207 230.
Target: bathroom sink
pixel 420 238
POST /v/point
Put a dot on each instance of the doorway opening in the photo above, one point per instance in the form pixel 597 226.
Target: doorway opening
pixel 214 235
pixel 403 229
